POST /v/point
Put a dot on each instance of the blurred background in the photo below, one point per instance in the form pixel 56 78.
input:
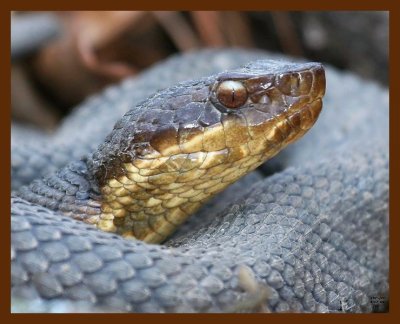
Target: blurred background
pixel 59 58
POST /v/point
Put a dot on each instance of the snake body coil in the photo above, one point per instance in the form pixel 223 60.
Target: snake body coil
pixel 285 232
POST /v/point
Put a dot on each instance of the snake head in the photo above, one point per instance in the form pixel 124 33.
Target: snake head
pixel 268 104
pixel 177 149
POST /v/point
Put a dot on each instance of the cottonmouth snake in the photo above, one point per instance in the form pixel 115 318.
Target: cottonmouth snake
pixel 311 238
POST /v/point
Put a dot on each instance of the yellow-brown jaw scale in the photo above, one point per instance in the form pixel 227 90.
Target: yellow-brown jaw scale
pixel 170 154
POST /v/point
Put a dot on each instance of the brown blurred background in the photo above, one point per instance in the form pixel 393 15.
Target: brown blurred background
pixel 59 58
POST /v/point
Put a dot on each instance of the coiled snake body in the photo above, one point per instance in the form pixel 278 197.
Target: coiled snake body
pixel 291 235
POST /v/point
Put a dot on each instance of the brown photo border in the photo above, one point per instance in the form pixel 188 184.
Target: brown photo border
pixel 5 120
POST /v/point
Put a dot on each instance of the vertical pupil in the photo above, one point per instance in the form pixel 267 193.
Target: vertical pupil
pixel 232 94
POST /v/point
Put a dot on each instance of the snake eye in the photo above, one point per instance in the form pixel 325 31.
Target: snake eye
pixel 232 94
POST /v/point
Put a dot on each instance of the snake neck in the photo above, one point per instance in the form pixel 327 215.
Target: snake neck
pixel 71 191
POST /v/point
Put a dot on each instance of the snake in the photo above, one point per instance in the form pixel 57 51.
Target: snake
pixel 309 238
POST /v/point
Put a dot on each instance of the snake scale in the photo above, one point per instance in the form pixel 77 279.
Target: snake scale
pixel 313 237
